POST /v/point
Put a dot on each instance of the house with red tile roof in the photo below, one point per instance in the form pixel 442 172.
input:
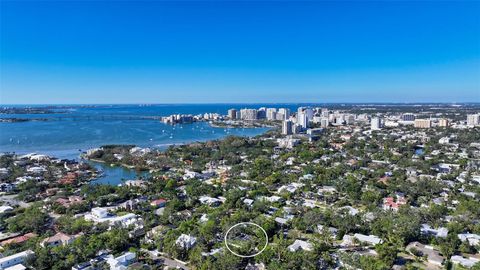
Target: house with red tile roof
pixel 71 200
pixel 158 203
pixel 18 239
pixel 390 203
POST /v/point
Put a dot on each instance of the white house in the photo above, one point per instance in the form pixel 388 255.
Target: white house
pixel 466 262
pixel 292 187
pixel 248 202
pixel 15 259
pixel 190 175
pixel 209 200
pixel 121 262
pixel 300 244
pixel 186 241
pixel 370 239
pixel 272 198
pixel 440 232
pixel 37 169
pixel 5 209
pixel 100 215
pixel 473 239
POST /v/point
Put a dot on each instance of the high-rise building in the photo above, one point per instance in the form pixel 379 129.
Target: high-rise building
pixel 285 112
pixel 324 122
pixel 325 112
pixel 316 119
pixel 232 114
pixel 302 120
pixel 309 113
pixel 422 123
pixel 286 127
pixel 262 113
pixel 443 122
pixel 376 123
pixel 473 120
pixel 349 119
pixel 296 128
pixel 407 117
pixel 248 114
pixel 339 119
pixel 279 116
pixel 271 113
pixel 306 110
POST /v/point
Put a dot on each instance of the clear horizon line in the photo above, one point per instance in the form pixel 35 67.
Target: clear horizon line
pixel 238 103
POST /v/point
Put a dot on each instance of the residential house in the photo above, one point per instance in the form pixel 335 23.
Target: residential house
pixel 15 259
pixel 433 256
pixel 390 203
pixel 466 262
pixel 5 209
pixel 439 232
pixel 158 203
pixel 18 239
pixel 68 202
pixel 210 201
pixel 300 245
pixel 186 241
pixel 121 262
pixel 57 240
pixel 370 239
pixel 473 239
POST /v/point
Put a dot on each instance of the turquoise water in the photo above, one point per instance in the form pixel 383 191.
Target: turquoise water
pixel 66 135
pixel 116 174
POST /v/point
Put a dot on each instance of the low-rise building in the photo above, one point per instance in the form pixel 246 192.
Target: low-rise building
pixel 472 238
pixel 186 241
pixel 439 232
pixel 158 203
pixel 15 259
pixel 433 256
pixel 300 245
pixel 370 239
pixel 422 123
pixel 57 240
pixel 121 262
pixel 465 262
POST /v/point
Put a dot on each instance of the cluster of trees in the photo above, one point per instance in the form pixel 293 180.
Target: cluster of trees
pixel 32 219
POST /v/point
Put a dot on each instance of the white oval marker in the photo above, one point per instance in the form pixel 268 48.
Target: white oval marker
pixel 246 256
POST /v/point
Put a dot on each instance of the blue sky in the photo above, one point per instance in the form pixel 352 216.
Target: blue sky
pixel 191 52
